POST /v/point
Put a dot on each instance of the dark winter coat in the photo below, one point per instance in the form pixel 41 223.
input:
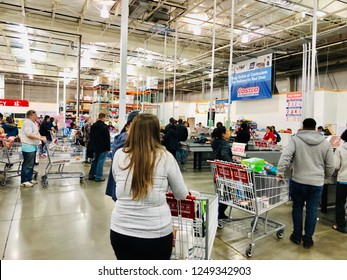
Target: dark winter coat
pixel 170 139
pixel 11 129
pixel 221 149
pixel 45 130
pixel 182 132
pixel 99 138
pixel 243 136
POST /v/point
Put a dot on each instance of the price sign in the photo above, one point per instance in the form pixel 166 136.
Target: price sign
pixel 238 149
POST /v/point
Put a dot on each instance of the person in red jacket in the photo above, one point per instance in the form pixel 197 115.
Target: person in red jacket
pixel 269 135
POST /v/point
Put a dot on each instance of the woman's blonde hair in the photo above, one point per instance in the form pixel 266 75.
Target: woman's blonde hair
pixel 142 146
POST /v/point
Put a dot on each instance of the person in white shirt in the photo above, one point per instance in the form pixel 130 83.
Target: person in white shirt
pixel 30 138
pixel 144 171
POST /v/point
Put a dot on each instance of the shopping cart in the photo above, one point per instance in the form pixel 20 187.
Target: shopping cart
pixel 11 158
pixel 194 225
pixel 255 194
pixel 60 154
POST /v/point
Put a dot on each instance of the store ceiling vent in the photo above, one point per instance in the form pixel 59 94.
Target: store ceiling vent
pixel 137 9
pixel 160 16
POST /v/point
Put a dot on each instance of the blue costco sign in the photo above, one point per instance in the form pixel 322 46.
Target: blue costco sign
pixel 252 79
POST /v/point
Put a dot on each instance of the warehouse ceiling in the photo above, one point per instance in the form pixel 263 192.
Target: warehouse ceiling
pixel 40 39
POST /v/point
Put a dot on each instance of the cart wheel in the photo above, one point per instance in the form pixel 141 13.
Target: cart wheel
pixel 280 233
pixel 44 177
pixel 3 182
pixel 249 251
pixel 44 183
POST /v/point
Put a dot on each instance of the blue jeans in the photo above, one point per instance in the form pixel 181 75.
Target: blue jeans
pixel 28 166
pixel 180 153
pixel 301 194
pixel 97 166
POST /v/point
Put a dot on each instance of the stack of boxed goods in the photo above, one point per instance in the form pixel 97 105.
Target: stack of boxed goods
pixel 103 80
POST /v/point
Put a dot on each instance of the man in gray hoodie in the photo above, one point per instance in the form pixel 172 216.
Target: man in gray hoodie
pixel 312 160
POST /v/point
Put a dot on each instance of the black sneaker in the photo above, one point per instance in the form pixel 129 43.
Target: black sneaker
pixel 99 180
pixel 308 244
pixel 294 239
pixel 222 217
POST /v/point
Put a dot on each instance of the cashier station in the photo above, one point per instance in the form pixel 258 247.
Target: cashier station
pixel 203 152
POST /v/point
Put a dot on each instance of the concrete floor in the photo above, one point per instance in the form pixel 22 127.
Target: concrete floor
pixel 70 221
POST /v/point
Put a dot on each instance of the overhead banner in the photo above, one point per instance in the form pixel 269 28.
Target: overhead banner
pixel 14 102
pixel 252 79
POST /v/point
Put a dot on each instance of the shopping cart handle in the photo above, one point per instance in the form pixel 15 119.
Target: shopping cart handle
pixel 191 197
pixel 188 197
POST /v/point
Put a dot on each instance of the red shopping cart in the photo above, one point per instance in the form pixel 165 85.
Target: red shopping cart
pixel 194 225
pixel 256 194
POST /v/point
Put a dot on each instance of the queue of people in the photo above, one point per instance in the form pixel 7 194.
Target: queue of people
pixel 172 135
pixel 144 168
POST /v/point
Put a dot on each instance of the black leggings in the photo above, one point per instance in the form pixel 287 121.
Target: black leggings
pixel 134 248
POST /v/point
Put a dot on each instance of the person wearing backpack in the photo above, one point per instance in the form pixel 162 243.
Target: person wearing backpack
pixel 277 135
pixel 118 142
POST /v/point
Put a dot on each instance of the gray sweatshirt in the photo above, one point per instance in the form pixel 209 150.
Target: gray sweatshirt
pixel 311 156
pixel 149 217
pixel 340 158
pixel 29 127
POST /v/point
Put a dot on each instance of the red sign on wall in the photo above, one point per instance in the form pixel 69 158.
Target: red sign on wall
pixel 14 102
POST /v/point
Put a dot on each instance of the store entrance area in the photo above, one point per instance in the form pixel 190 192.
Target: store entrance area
pixel 70 221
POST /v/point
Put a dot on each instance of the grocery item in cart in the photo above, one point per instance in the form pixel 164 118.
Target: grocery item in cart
pixel 255 164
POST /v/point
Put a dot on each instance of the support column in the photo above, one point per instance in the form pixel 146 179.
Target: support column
pixel 123 63
pixel 310 97
pixel 2 86
pixel 22 92
pixel 209 123
pixel 57 97
pixel 227 125
pixel 78 90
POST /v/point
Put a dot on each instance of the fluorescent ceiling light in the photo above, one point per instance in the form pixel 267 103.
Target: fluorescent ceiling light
pixel 104 13
pixel 321 14
pixel 244 38
pixel 196 30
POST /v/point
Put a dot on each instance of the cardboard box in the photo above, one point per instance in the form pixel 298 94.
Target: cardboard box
pixel 103 80
pixel 86 106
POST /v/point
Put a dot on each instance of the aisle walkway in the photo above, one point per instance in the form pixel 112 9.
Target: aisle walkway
pixel 67 220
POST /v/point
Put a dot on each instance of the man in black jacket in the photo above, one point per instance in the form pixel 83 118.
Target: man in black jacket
pixel 100 145
pixel 182 136
pixel 170 138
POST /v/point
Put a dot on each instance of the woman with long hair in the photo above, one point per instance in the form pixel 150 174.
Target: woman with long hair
pixel 141 226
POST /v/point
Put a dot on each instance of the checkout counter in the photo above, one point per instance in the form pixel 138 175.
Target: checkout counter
pixel 203 152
